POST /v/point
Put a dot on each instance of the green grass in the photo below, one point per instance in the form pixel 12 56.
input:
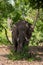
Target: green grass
pixel 24 55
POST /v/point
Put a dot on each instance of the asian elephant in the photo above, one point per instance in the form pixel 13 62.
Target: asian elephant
pixel 21 33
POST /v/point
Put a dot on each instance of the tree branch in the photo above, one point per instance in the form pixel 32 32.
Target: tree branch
pixel 37 16
pixel 6 35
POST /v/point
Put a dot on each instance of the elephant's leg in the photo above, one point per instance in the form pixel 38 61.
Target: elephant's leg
pixel 14 43
pixel 15 46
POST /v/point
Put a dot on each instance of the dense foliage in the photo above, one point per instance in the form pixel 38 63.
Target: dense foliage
pixel 36 3
pixel 23 9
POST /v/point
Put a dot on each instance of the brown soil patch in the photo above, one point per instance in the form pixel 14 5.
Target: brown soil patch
pixel 4 51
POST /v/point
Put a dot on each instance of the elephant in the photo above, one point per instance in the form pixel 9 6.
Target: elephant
pixel 21 33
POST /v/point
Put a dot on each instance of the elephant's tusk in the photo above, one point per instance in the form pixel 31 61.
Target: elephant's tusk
pixel 17 39
pixel 26 39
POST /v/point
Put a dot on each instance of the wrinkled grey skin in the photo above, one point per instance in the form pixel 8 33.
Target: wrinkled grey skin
pixel 21 33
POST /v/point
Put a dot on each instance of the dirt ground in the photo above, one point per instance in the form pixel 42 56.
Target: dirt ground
pixel 4 51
